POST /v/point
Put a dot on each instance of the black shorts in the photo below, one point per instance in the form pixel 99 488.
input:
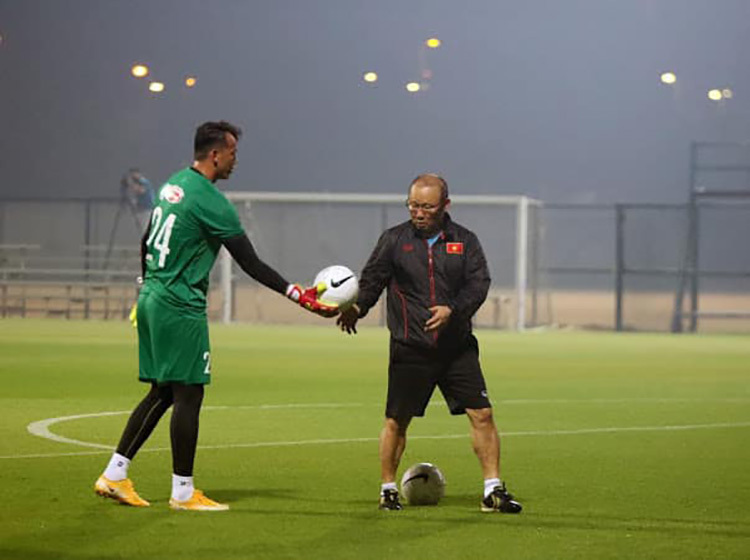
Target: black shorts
pixel 413 373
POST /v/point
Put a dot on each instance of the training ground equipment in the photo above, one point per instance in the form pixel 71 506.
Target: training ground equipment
pixel 337 285
pixel 423 485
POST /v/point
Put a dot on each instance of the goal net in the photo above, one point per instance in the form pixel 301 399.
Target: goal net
pixel 301 233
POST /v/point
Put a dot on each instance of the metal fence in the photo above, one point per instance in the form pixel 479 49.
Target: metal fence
pixel 590 266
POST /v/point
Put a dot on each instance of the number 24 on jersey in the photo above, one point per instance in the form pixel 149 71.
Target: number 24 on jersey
pixel 160 235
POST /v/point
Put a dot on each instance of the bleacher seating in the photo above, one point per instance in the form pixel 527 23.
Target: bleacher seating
pixel 97 283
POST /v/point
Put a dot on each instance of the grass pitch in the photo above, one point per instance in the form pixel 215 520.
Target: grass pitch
pixel 619 446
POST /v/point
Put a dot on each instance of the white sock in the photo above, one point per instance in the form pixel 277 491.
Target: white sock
pixel 388 486
pixel 117 469
pixel 182 488
pixel 489 485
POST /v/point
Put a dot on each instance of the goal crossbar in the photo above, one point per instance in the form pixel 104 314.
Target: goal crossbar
pixel 368 198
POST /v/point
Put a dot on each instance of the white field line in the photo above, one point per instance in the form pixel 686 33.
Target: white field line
pixel 41 429
pixel 644 400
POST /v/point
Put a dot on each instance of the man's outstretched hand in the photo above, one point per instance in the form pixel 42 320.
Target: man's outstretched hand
pixel 348 319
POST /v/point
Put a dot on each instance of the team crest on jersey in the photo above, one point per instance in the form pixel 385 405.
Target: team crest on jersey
pixel 454 248
pixel 172 193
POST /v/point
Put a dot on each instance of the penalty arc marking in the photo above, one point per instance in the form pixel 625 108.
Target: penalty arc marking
pixel 41 429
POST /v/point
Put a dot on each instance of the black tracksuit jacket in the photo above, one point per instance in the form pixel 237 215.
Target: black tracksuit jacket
pixel 452 272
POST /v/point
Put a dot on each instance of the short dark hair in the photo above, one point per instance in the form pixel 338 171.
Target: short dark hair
pixel 212 134
pixel 432 179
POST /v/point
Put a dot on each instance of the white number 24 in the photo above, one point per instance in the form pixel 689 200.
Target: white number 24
pixel 159 236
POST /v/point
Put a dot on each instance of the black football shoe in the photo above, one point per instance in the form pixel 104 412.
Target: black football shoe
pixel 501 500
pixel 389 500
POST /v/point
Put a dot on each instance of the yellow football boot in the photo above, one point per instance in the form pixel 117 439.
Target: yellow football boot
pixel 198 502
pixel 120 490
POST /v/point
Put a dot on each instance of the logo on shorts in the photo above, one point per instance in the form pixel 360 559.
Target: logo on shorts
pixel 172 193
pixel 484 394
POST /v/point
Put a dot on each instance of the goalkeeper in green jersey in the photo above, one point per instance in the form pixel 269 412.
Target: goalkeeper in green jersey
pixel 189 224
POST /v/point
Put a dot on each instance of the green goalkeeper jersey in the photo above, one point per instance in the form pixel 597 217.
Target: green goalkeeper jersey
pixel 188 224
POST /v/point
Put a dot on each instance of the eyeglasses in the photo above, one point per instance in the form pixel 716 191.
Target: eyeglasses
pixel 428 208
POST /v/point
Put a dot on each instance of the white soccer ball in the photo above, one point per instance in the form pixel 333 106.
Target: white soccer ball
pixel 341 286
pixel 423 485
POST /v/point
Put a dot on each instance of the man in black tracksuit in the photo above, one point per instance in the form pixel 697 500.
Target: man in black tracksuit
pixel 437 278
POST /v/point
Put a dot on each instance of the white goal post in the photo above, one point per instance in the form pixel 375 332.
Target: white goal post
pixel 493 213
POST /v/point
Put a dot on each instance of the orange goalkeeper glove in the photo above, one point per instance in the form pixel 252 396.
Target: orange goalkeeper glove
pixel 308 298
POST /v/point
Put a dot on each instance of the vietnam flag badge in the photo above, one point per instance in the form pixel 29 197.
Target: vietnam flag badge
pixel 454 248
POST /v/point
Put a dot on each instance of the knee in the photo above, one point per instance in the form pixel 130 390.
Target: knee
pixel 164 395
pixel 481 417
pixel 397 425
pixel 190 396
pixel 159 397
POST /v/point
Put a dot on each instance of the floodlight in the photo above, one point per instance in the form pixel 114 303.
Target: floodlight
pixel 668 78
pixel 139 70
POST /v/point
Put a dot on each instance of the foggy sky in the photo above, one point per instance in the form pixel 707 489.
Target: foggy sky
pixel 557 99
